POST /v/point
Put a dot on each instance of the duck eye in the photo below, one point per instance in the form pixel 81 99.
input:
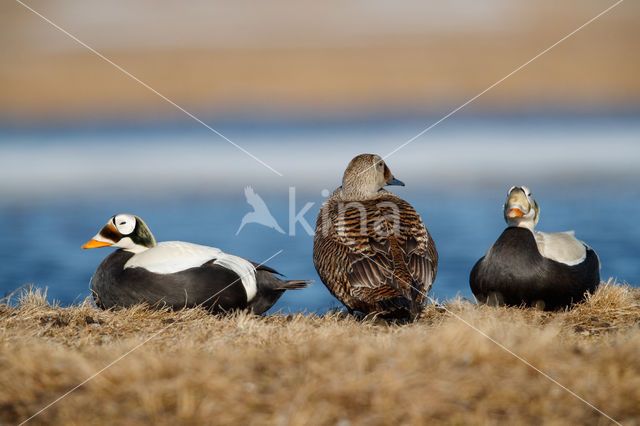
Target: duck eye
pixel 125 224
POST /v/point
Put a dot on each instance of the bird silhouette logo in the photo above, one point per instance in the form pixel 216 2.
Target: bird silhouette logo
pixel 260 213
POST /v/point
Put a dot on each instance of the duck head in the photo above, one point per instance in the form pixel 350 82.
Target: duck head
pixel 365 175
pixel 521 209
pixel 125 231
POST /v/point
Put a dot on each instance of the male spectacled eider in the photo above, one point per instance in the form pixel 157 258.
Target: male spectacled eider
pixel 370 248
pixel 178 274
pixel 547 270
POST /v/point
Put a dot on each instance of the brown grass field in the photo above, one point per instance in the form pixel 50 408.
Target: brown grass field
pixel 312 63
pixel 189 367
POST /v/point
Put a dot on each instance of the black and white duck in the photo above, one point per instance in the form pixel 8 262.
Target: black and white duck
pixel 371 248
pixel 525 266
pixel 178 274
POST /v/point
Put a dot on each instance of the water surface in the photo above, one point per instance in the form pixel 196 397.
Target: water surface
pixel 60 186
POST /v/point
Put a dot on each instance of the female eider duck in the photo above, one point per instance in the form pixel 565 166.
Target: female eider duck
pixel 178 274
pixel 370 248
pixel 524 266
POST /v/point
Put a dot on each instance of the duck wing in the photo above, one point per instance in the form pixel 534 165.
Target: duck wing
pixel 391 254
pixel 173 256
pixel 170 257
pixel 562 247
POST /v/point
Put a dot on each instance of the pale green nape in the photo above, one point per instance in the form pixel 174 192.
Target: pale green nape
pixel 142 234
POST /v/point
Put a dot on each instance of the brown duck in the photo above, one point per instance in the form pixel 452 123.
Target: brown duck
pixel 371 249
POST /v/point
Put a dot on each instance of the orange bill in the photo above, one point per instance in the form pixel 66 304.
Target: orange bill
pixel 514 212
pixel 95 243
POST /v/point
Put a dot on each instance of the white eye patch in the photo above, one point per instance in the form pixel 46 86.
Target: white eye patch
pixel 124 223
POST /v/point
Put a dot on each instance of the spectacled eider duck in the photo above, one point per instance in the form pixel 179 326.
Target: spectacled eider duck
pixel 178 274
pixel 370 248
pixel 547 270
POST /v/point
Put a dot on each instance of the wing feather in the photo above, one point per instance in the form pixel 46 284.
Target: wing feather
pixel 388 255
pixel 562 247
pixel 170 257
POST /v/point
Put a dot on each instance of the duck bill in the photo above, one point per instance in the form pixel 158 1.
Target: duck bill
pixel 394 181
pixel 93 243
pixel 515 212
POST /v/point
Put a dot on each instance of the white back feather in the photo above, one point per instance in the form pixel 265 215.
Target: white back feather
pixel 174 256
pixel 562 247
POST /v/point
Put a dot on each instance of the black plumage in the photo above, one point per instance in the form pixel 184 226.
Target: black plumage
pixel 210 286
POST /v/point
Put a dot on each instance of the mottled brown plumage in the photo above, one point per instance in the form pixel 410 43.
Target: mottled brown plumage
pixel 371 249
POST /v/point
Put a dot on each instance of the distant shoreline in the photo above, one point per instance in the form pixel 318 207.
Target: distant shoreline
pixel 301 118
pixel 314 82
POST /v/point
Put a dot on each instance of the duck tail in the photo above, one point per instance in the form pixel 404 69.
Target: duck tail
pixel 294 284
pixel 416 307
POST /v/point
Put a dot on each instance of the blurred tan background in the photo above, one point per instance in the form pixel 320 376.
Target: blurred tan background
pixel 313 58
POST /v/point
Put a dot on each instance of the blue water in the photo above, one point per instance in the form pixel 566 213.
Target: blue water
pixel 60 187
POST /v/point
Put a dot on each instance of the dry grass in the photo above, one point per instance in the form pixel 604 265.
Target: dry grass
pixel 332 369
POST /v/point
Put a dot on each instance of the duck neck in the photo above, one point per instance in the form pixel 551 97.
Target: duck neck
pixel 526 224
pixel 136 249
pixel 357 192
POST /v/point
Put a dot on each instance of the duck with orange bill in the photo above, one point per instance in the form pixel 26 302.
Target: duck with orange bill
pixel 528 267
pixel 178 274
